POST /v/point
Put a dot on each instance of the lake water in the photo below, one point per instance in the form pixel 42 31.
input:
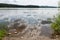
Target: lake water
pixel 29 14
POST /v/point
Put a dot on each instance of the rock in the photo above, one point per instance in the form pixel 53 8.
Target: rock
pixel 57 36
pixel 9 33
pixel 15 32
pixel 46 22
pixel 22 37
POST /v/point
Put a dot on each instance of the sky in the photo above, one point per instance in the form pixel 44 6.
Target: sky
pixel 33 2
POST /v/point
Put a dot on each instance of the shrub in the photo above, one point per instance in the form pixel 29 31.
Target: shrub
pixel 56 25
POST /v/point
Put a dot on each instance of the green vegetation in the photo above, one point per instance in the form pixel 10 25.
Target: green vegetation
pixel 2 34
pixel 56 25
pixel 3 30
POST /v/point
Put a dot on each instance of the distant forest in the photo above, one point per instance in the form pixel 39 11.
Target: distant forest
pixel 24 6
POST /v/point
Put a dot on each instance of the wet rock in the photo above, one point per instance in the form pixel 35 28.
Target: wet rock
pixel 46 22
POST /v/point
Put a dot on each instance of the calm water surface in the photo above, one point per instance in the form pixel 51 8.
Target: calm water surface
pixel 29 14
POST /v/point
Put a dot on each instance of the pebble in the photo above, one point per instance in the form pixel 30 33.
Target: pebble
pixel 15 32
pixel 22 37
pixel 9 33
pixel 57 36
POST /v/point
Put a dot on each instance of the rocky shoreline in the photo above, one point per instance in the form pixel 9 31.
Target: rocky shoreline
pixel 42 32
pixel 20 30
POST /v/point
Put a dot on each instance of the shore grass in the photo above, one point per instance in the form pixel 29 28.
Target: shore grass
pixel 2 33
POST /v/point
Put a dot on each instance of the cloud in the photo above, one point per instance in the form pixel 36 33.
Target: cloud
pixel 39 2
pixel 32 2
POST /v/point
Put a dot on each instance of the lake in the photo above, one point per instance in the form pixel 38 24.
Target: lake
pixel 29 14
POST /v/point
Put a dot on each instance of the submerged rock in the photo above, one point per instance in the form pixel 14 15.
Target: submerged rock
pixel 46 22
